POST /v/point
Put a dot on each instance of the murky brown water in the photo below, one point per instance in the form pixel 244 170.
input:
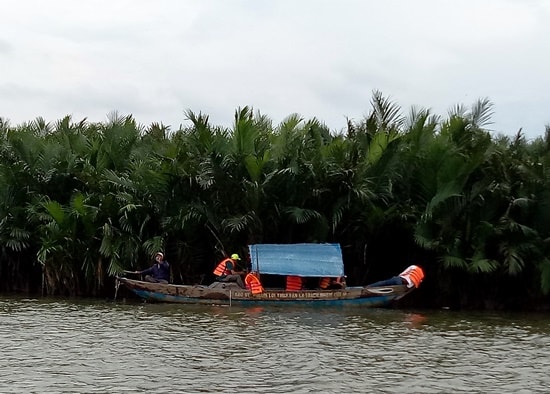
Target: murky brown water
pixel 56 346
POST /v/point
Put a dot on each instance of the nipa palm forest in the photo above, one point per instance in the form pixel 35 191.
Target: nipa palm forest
pixel 81 202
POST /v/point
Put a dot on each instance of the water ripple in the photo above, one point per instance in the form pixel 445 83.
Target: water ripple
pixel 92 347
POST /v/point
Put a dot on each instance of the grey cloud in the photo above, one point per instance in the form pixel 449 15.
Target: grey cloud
pixel 317 58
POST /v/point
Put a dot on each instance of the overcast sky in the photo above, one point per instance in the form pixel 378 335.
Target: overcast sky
pixel 318 58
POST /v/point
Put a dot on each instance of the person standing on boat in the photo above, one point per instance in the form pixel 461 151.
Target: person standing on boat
pixel 226 271
pixel 412 277
pixel 159 272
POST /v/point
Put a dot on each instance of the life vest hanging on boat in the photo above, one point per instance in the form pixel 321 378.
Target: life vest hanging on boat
pixel 413 275
pixel 324 283
pixel 253 283
pixel 221 269
pixel 293 283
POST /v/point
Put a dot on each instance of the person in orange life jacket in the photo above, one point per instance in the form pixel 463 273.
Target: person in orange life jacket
pixel 412 277
pixel 226 271
pixel 159 272
pixel 330 283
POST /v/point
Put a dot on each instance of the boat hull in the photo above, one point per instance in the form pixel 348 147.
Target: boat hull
pixel 229 294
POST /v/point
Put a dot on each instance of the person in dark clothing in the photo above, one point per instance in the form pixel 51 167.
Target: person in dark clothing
pixel 411 277
pixel 159 272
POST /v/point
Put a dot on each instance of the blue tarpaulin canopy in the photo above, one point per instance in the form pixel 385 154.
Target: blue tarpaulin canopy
pixel 315 260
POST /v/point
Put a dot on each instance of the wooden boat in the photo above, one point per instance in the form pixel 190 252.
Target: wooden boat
pixel 306 260
pixel 229 293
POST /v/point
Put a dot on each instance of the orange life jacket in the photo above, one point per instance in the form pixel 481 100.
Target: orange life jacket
pixel 413 274
pixel 324 282
pixel 253 283
pixel 293 283
pixel 221 269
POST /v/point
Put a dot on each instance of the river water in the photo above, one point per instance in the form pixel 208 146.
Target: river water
pixel 68 346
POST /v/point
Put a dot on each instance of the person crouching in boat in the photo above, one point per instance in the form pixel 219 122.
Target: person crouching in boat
pixel 329 283
pixel 226 271
pixel 159 272
pixel 412 277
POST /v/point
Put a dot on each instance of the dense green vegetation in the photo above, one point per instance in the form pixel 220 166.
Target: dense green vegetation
pixel 80 202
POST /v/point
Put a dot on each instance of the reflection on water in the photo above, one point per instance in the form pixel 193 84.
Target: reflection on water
pixel 93 347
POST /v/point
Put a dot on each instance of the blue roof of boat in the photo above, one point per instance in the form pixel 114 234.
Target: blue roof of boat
pixel 307 259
